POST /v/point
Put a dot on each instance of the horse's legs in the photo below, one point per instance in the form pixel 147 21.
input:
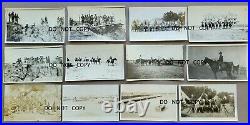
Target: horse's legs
pixel 230 75
pixel 215 76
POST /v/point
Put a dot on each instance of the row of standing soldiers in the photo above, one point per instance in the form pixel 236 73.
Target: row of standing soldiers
pixel 93 19
pixel 209 24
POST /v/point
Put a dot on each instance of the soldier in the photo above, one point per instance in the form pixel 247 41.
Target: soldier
pixel 26 29
pixel 46 20
pixel 220 61
pixel 82 19
pixel 192 99
pixel 202 25
pixel 12 17
pixel 16 18
pixel 9 16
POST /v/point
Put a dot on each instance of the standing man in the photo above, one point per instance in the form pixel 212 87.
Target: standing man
pixel 220 61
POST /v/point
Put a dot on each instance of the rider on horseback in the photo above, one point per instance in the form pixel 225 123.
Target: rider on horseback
pixel 220 61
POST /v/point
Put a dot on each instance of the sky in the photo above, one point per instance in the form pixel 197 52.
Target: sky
pixel 118 13
pixel 197 13
pixel 90 90
pixel 31 16
pixel 235 54
pixel 153 88
pixel 103 51
pixel 13 53
pixel 149 13
pixel 156 51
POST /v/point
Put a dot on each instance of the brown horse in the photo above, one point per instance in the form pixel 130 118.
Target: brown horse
pixel 224 66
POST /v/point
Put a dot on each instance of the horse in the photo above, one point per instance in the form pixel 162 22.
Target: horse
pixel 199 106
pixel 111 61
pixel 236 69
pixel 214 65
pixel 99 60
pixel 216 105
pixel 141 61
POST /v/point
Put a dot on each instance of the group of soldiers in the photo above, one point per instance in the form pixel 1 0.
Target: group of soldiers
pixel 91 60
pixel 32 68
pixel 218 23
pixel 38 60
pixel 206 105
pixel 93 20
pixel 13 17
pixel 29 103
pixel 147 26
pixel 156 61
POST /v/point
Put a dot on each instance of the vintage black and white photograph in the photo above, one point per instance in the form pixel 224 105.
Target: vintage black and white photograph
pixel 94 62
pixel 89 100
pixel 208 102
pixel 33 64
pixel 157 23
pixel 23 102
pixel 154 62
pixel 223 23
pixel 33 25
pixel 224 62
pixel 149 102
pixel 97 23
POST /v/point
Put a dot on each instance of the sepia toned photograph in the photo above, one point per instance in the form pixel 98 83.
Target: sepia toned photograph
pixel 208 102
pixel 149 102
pixel 218 62
pixel 155 62
pixel 23 102
pixel 97 23
pixel 88 100
pixel 34 25
pixel 224 23
pixel 157 23
pixel 33 64
pixel 94 62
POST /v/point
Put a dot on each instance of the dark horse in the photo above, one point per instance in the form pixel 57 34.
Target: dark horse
pixel 111 61
pixel 214 65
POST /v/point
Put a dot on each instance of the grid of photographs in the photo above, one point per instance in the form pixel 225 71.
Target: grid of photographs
pixel 117 63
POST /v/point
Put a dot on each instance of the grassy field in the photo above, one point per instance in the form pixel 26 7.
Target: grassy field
pixel 205 72
pixel 154 72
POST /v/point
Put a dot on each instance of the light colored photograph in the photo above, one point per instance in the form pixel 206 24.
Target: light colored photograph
pixel 33 64
pixel 157 23
pixel 94 62
pixel 153 102
pixel 223 23
pixel 224 62
pixel 89 99
pixel 154 62
pixel 208 102
pixel 23 102
pixel 97 23
pixel 33 25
